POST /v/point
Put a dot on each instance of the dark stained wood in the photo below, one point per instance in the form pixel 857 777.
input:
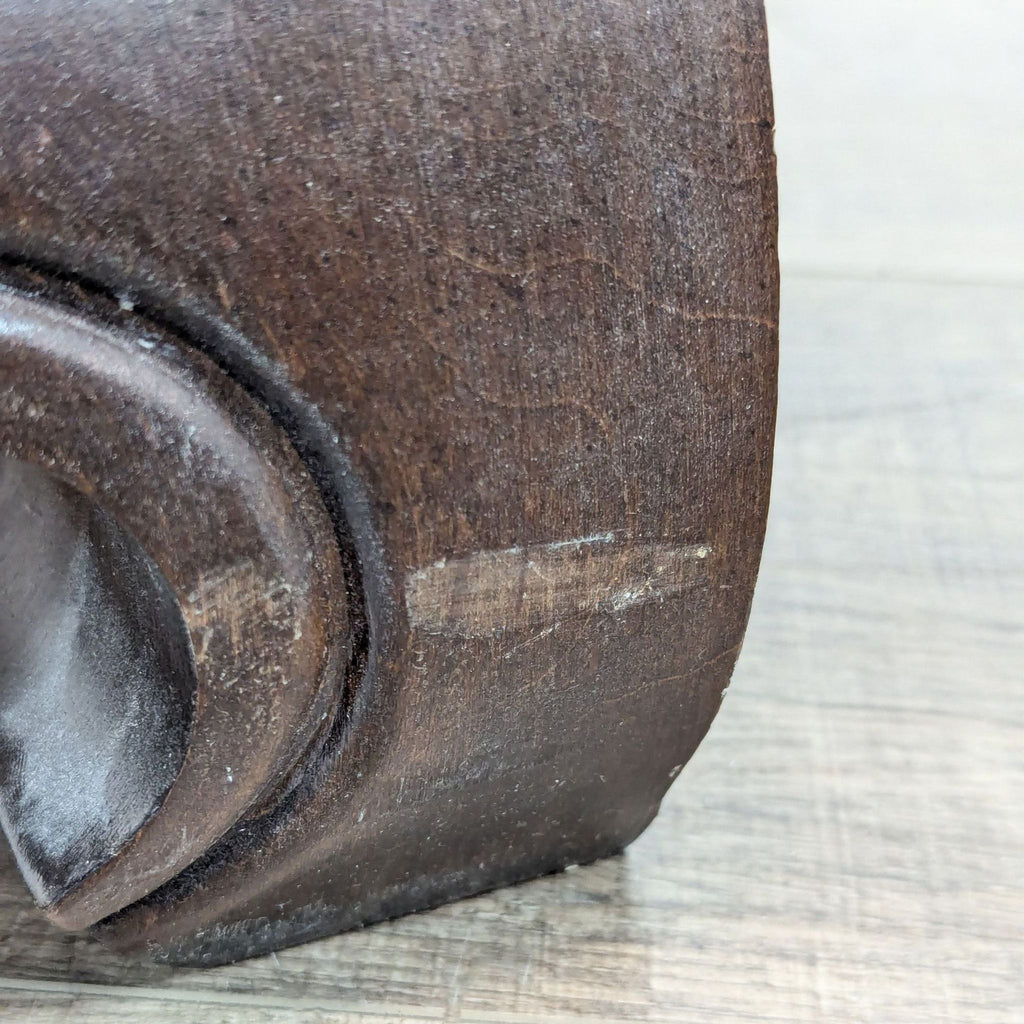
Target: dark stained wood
pixel 199 476
pixel 505 276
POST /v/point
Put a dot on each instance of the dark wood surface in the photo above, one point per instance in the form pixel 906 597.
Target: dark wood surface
pixel 846 843
pixel 165 445
pixel 506 275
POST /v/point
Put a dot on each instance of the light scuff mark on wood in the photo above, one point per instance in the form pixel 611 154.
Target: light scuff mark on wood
pixel 539 585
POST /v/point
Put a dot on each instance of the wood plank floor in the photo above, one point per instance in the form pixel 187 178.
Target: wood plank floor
pixel 848 843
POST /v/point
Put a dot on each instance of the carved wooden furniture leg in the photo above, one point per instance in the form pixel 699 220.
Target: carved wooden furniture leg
pixel 386 407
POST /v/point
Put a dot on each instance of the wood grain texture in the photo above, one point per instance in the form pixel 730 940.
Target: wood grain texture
pixel 847 844
pixel 212 491
pixel 537 586
pixel 506 274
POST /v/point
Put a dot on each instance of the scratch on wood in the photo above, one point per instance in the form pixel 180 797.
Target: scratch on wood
pixel 541 584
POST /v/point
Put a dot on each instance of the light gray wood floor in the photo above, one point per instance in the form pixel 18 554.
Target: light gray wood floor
pixel 848 843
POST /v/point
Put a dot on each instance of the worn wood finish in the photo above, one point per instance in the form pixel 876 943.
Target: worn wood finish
pixel 846 844
pixel 209 487
pixel 505 273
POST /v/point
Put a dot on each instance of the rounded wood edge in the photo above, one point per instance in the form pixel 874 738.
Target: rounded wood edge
pixel 209 486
